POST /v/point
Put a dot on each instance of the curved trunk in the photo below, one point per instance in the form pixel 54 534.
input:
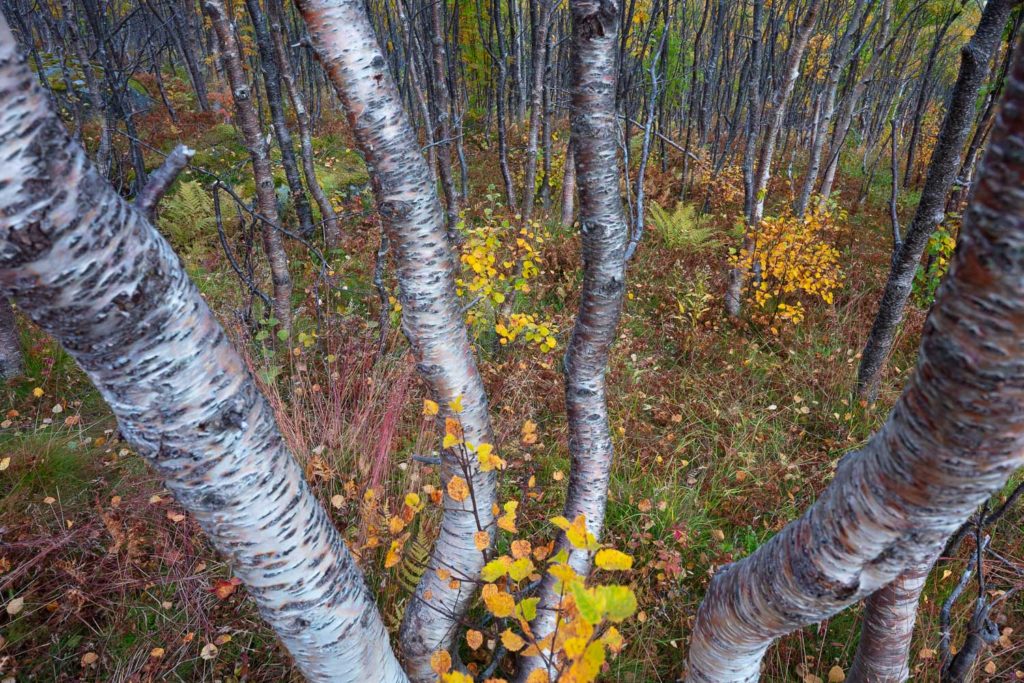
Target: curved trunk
pixel 604 233
pixel 248 123
pixel 930 210
pixel 90 270
pixel 431 314
pixel 953 439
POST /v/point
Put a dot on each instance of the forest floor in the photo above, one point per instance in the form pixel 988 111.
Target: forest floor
pixel 723 433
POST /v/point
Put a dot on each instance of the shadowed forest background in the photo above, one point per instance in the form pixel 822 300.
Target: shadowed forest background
pixel 728 416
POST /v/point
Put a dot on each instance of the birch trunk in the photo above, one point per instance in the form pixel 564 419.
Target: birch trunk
pixel 953 439
pixel 930 212
pixel 883 653
pixel 11 364
pixel 248 123
pixel 569 186
pixel 432 318
pixel 605 233
pixel 90 270
pixel 780 102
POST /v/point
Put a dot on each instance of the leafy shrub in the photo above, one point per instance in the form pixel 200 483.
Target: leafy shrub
pixel 929 275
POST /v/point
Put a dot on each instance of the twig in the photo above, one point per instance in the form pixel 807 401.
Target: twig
pixel 160 180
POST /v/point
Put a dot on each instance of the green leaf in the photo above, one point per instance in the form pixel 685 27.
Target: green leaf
pixel 587 602
pixel 619 602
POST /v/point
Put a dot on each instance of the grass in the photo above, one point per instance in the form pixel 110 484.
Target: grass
pixel 723 433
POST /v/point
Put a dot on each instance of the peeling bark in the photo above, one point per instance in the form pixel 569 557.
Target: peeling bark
pixel 953 439
pixel 431 314
pixel 89 269
pixel 883 653
pixel 605 233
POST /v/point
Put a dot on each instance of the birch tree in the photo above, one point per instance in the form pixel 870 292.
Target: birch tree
pixel 604 233
pixel 259 157
pixel 930 212
pixel 11 363
pixel 952 440
pixel 91 271
pixel 431 313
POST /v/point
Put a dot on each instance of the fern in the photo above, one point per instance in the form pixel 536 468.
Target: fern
pixel 187 218
pixel 410 569
pixel 681 229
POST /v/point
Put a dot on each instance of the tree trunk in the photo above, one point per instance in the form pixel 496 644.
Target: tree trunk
pixel 540 39
pixel 883 653
pixel 780 102
pixel 569 185
pixel 332 232
pixel 11 364
pixel 431 313
pixel 953 439
pixel 442 118
pixel 266 197
pixel 604 233
pixel 91 271
pixel 275 102
pixel 930 211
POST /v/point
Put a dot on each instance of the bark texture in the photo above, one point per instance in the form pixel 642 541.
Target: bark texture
pixel 431 314
pixel 605 234
pixel 883 653
pixel 942 170
pixel 11 363
pixel 89 269
pixel 953 439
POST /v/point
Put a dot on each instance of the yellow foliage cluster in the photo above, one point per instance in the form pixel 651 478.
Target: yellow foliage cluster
pixel 499 260
pixel 793 259
pixel 586 633
pixel 724 187
pixel 526 326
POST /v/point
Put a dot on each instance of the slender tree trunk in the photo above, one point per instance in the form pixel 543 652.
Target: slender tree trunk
pixel 266 197
pixel 953 439
pixel 11 363
pixel 569 185
pixel 604 233
pixel 540 39
pixel 182 395
pixel 432 316
pixel 930 212
pixel 275 102
pixel 442 118
pixel 883 653
pixel 780 102
pixel 332 232
pixel 92 89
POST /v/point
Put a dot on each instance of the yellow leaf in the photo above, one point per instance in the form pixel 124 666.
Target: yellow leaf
pixel 474 639
pixel 456 677
pixel 613 560
pixel 512 641
pixel 4 464
pixel 430 408
pixel 89 658
pixel 520 569
pixel 538 676
pixel 37 392
pixel 156 652
pixel 393 555
pixel 520 548
pixel 836 675
pixel 450 441
pixel 528 435
pixel 441 662
pixel 500 604
pixel 458 489
pixel 495 569
pixel 456 404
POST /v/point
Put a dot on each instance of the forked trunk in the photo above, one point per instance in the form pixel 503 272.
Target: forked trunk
pixel 431 313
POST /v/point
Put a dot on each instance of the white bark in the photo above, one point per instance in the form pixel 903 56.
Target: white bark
pixel 89 269
pixel 431 313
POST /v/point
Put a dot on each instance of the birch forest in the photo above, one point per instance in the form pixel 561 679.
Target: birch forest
pixel 511 341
